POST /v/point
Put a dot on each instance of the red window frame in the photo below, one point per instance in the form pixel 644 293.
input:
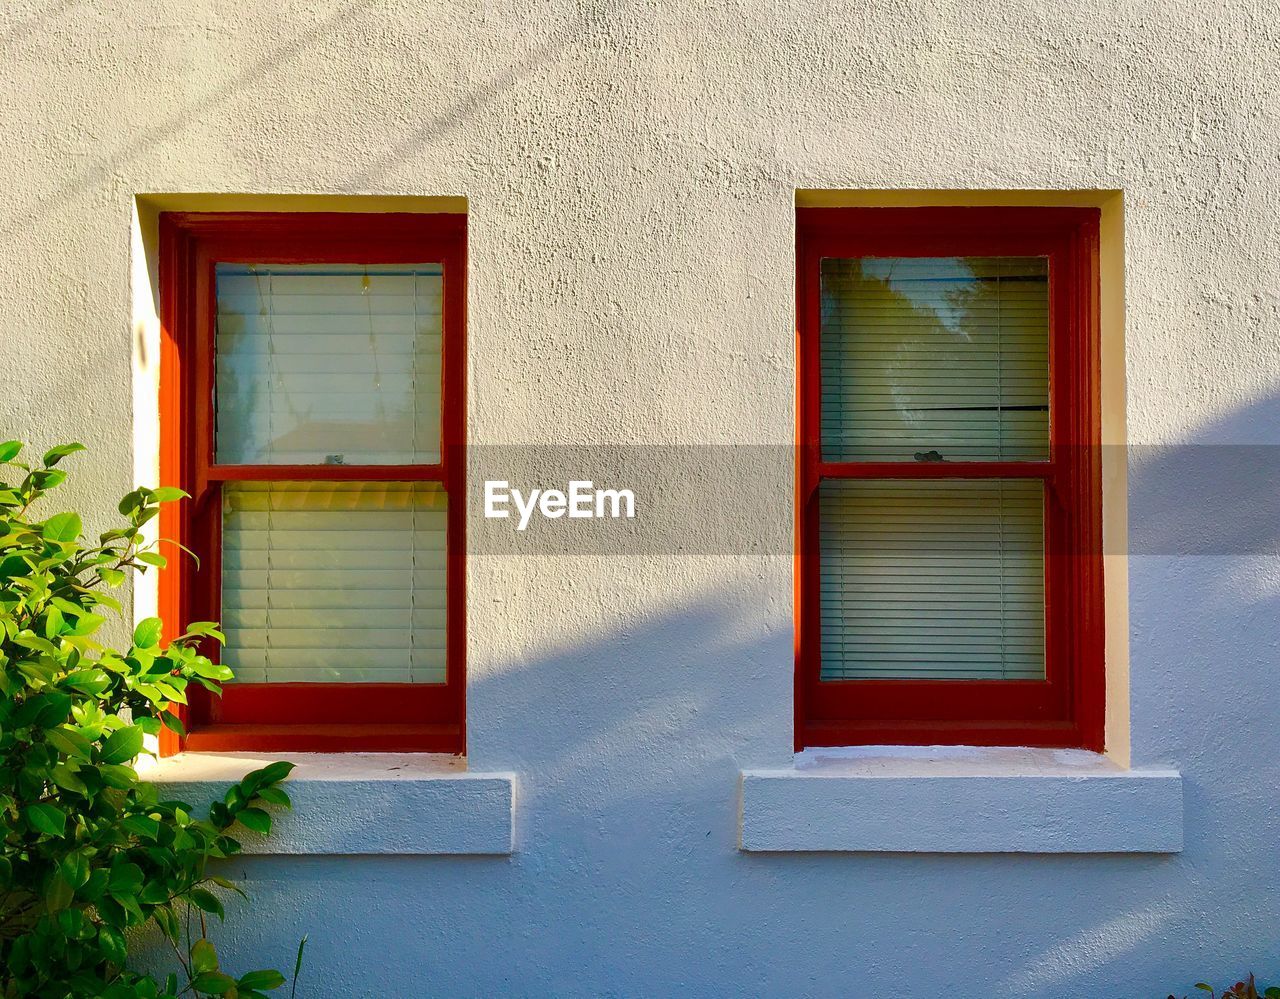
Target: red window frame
pixel 1066 709
pixel 300 717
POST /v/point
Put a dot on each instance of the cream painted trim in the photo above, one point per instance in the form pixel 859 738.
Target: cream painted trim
pixel 211 202
pixel 360 803
pixel 913 198
pixel 959 799
pixel 1115 488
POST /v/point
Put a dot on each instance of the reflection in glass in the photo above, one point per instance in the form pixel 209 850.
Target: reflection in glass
pixel 328 364
pixel 935 358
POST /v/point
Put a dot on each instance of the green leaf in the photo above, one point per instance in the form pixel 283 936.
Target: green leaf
pixel 204 899
pixel 213 981
pixel 213 671
pixel 149 725
pixel 131 502
pixel 75 868
pixel 112 943
pixel 71 922
pixel 255 819
pixel 167 494
pixel 67 607
pixel 265 979
pixel 119 777
pixel 209 628
pixel 222 882
pixel 272 773
pixel 153 893
pixel 53 623
pixel 87 681
pixel 147 634
pixel 62 527
pixel 275 796
pixel 64 777
pixel 87 625
pixel 9 450
pixel 141 825
pixel 58 894
pixel 122 746
pixel 173 722
pixel 152 558
pixel 112 577
pixel 93 889
pixel 1272 993
pixel 54 707
pixel 48 478
pixel 204 957
pixel 45 819
pixel 55 455
pixel 297 965
pixel 167 920
pixel 125 879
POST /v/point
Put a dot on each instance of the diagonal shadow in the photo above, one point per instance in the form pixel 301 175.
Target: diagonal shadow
pixel 589 18
pixel 23 219
pixel 36 23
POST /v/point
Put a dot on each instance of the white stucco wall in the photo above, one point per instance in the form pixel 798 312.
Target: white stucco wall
pixel 631 172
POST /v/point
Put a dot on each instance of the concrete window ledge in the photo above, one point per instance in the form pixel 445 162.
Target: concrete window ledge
pixel 375 803
pixel 960 800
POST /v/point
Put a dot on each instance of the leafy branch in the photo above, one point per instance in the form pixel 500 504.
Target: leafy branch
pixel 90 852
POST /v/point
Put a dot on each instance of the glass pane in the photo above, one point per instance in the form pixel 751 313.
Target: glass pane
pixel 328 364
pixel 935 359
pixel 334 581
pixel 935 579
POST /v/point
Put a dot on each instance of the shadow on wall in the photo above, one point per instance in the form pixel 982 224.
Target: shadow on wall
pixel 627 880
pixel 344 18
pixel 1204 583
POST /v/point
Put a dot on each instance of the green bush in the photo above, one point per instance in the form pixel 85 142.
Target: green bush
pixel 91 855
pixel 1240 990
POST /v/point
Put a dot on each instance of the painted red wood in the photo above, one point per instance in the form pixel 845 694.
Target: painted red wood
pixel 1067 708
pixel 292 716
pixel 936 469
pixel 347 737
pixel 325 473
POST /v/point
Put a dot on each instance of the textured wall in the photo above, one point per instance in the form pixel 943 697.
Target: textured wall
pixel 630 170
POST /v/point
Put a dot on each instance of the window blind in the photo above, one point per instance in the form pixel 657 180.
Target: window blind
pixel 328 363
pixel 334 581
pixel 932 579
pixel 934 358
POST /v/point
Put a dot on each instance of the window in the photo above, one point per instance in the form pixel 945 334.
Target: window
pixel 949 539
pixel 312 383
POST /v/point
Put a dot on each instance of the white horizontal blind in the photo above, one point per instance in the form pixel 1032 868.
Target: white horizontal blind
pixel 328 363
pixel 334 581
pixel 932 579
pixel 935 358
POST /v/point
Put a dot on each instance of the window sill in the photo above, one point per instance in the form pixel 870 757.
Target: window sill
pixel 960 799
pixel 360 803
